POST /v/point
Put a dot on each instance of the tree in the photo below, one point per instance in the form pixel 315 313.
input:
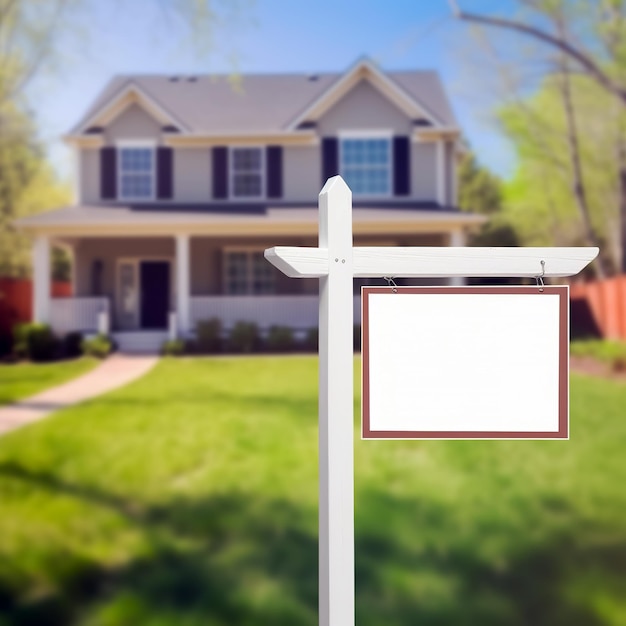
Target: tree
pixel 480 191
pixel 590 35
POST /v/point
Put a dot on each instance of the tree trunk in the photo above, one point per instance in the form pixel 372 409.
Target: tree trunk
pixel 578 183
pixel 621 157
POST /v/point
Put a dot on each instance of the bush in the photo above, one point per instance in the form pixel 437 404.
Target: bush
pixel 72 344
pixel 173 347
pixel 244 337
pixel 280 339
pixel 99 346
pixel 35 342
pixel 209 335
pixel 356 338
pixel 311 340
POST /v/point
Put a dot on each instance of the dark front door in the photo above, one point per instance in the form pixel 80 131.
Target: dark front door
pixel 155 293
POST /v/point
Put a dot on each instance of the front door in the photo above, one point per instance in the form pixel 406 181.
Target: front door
pixel 155 292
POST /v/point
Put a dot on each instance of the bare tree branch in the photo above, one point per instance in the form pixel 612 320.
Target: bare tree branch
pixel 583 59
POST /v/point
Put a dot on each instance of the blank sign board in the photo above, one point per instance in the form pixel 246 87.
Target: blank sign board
pixel 465 363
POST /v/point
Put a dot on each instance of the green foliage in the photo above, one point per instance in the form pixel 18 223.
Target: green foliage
pixel 208 335
pixel 610 352
pixel 244 337
pixel 480 191
pixel 173 347
pixel 280 339
pixel 35 342
pixel 72 344
pixel 311 340
pixel 539 200
pixel 99 346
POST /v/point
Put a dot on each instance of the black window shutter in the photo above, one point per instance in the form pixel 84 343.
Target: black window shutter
pixel 401 166
pixel 165 173
pixel 330 158
pixel 274 162
pixel 108 173
pixel 220 172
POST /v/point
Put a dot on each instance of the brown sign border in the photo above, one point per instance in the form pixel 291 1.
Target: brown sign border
pixel 563 432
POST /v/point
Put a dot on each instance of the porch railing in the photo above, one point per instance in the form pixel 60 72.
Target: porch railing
pixel 77 314
pixel 299 312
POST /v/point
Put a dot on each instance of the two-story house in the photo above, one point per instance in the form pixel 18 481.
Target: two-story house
pixel 183 181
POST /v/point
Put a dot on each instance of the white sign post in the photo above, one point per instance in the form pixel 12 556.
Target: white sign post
pixel 336 262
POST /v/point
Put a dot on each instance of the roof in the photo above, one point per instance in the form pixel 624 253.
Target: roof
pixel 242 216
pixel 209 104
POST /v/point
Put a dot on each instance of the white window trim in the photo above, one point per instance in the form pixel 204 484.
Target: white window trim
pixel 136 143
pixel 231 173
pixel 369 134
pixel 249 251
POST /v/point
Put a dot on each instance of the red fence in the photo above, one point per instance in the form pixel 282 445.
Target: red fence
pixel 16 300
pixel 606 300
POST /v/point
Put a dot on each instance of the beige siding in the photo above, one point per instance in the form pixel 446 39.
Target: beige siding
pixel 133 123
pixel 90 175
pixel 192 175
pixel 424 171
pixel 205 267
pixel 362 108
pixel 302 170
pixel 450 173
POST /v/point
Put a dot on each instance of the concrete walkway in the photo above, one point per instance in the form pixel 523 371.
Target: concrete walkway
pixel 116 371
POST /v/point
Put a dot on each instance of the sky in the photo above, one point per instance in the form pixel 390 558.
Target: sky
pixel 111 37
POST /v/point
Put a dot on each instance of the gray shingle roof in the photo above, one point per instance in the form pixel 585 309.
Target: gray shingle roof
pixel 258 102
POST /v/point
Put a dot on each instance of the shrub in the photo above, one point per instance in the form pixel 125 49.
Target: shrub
pixel 311 340
pixel 99 346
pixel 72 344
pixel 244 337
pixel 356 338
pixel 209 335
pixel 35 342
pixel 173 347
pixel 280 339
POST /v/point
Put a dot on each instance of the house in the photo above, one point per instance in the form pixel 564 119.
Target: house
pixel 183 181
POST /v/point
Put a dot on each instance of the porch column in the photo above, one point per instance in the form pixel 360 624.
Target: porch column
pixel 457 239
pixel 183 283
pixel 41 279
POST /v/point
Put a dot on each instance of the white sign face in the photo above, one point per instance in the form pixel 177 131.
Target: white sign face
pixel 465 363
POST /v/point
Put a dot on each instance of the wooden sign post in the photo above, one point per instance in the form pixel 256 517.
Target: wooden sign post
pixel 336 262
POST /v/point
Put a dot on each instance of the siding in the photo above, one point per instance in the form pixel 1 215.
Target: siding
pixel 424 171
pixel 90 175
pixel 361 108
pixel 133 123
pixel 192 175
pixel 301 173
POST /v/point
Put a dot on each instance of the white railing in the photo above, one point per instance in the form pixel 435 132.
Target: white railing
pixel 299 312
pixel 77 314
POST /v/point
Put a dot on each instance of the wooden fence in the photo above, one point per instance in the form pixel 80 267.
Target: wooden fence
pixel 16 300
pixel 604 301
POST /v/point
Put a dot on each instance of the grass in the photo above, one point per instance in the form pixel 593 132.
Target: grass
pixel 190 497
pixel 21 380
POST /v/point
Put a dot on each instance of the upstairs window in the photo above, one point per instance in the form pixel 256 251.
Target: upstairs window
pixel 247 172
pixel 136 173
pixel 365 164
pixel 247 272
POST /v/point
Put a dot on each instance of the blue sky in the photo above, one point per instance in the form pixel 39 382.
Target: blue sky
pixel 138 36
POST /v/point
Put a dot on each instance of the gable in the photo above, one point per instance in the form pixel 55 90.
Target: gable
pixel 133 123
pixel 364 107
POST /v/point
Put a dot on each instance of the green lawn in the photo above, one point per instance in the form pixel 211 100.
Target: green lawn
pixel 21 380
pixel 190 498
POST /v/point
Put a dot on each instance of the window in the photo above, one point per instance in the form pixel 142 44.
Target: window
pixel 246 166
pixel 366 165
pixel 247 272
pixel 136 173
